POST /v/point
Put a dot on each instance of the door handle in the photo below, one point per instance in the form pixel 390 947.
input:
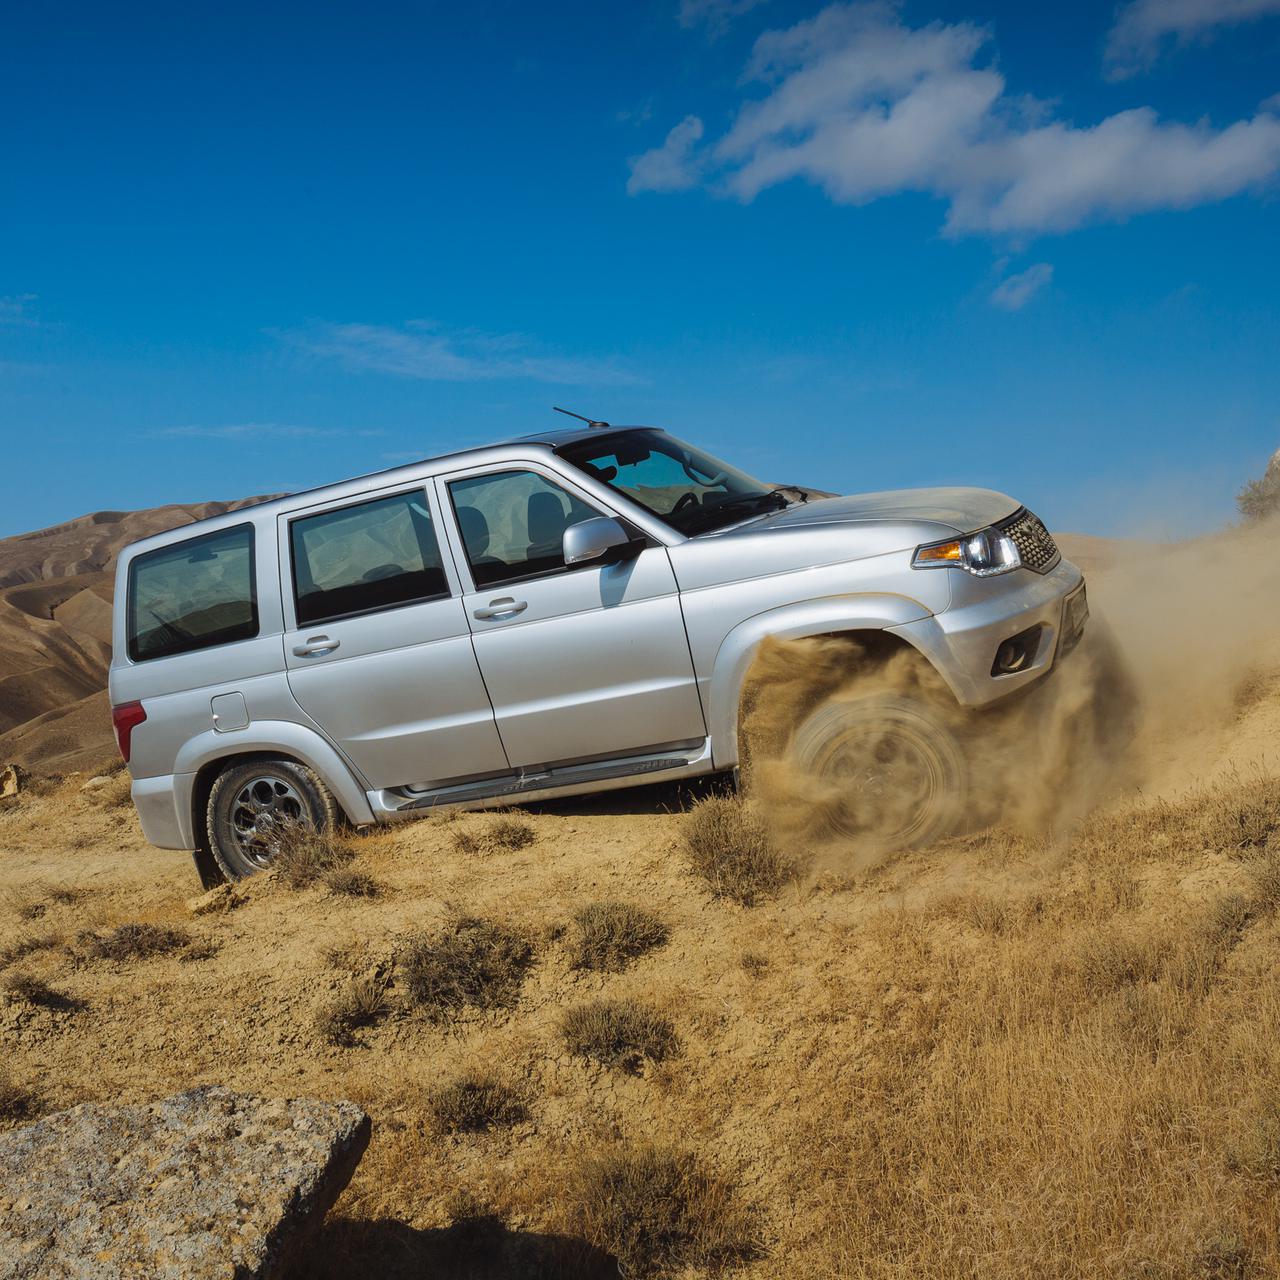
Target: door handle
pixel 315 645
pixel 501 609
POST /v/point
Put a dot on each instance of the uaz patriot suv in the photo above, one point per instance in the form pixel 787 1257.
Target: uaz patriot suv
pixel 559 614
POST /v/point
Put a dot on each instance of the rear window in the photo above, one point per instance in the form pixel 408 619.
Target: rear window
pixel 374 555
pixel 193 595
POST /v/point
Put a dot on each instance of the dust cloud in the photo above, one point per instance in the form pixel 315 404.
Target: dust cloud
pixel 1177 631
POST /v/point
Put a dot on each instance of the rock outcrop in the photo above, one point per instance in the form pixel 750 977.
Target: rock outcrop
pixel 204 1184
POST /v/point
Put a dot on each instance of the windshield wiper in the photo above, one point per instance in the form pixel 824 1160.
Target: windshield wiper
pixel 708 517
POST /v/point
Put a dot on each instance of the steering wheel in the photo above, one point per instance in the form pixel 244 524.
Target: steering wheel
pixel 709 483
pixel 685 500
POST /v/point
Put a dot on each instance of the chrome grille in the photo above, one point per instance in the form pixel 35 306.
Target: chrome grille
pixel 1034 542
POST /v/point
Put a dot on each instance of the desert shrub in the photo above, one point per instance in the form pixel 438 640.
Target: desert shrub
pixel 351 882
pixel 619 1033
pixel 1261 498
pixel 1108 961
pixel 26 944
pixel 754 963
pixel 134 942
pixel 17 1104
pixel 503 831
pixel 359 1004
pixel 474 1103
pixel 609 934
pixel 727 845
pixel 200 949
pixel 1241 820
pixel 26 988
pixel 475 963
pixel 304 855
pixel 658 1210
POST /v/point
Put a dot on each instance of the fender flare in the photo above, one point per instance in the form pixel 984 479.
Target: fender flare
pixel 789 622
pixel 271 736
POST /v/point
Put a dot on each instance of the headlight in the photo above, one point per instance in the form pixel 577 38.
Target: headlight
pixel 985 553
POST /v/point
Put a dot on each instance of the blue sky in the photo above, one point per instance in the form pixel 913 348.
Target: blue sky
pixel 256 248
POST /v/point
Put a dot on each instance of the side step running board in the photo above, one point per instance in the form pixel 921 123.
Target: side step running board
pixel 569 776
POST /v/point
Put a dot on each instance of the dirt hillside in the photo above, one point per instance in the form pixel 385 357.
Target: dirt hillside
pixel 1027 1053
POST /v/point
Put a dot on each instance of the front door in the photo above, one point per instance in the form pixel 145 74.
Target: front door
pixel 377 646
pixel 581 662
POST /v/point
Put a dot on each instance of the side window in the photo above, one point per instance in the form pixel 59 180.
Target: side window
pixel 373 555
pixel 512 524
pixel 192 595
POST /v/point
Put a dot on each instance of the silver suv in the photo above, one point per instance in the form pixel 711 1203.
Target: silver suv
pixel 564 613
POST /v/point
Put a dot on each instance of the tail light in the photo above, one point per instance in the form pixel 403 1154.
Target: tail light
pixel 126 717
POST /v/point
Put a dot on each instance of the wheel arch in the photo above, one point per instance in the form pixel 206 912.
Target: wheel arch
pixel 868 618
pixel 204 757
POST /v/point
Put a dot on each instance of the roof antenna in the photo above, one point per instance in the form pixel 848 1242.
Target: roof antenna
pixel 589 421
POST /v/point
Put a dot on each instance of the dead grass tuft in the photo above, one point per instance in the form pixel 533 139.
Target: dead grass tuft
pixel 17 1104
pixel 134 942
pixel 304 856
pixel 726 844
pixel 351 882
pixel 619 1033
pixel 502 831
pixel 754 963
pixel 1223 1257
pixel 658 1210
pixel 26 944
pixel 1241 819
pixel 611 934
pixel 360 1004
pixel 474 1103
pixel 32 901
pixel 200 949
pixel 475 962
pixel 26 988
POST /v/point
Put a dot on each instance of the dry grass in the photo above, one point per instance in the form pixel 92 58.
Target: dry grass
pixel 1241 820
pixel 725 843
pixel 473 963
pixel 18 1105
pixel 26 944
pixel 658 1210
pixel 199 949
pixel 619 1033
pixel 351 882
pixel 115 793
pixel 502 831
pixel 609 935
pixel 474 1103
pixel 33 901
pixel 134 942
pixel 359 1004
pixel 305 856
pixel 26 988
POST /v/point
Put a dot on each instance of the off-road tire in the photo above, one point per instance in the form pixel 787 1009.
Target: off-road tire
pixel 879 745
pixel 297 793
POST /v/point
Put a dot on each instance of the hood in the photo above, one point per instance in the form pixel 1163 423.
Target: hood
pixel 963 510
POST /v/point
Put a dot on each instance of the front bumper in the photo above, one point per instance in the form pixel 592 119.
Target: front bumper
pixel 962 641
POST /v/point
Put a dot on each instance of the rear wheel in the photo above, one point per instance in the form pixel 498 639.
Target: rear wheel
pixel 250 803
pixel 891 775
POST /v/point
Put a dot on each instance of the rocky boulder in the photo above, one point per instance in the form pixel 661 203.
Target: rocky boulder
pixel 204 1184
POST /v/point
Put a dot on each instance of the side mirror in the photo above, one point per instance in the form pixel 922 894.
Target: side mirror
pixel 599 538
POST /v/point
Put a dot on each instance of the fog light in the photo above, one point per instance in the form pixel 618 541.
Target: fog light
pixel 1017 653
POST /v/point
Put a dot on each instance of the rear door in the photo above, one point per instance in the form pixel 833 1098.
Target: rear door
pixel 580 662
pixel 376 641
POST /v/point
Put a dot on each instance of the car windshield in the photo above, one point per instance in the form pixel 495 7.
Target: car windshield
pixel 688 489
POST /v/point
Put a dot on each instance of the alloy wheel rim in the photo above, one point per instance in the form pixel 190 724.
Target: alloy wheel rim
pixel 262 808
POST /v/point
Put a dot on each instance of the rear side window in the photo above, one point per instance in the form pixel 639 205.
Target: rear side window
pixel 192 595
pixel 375 555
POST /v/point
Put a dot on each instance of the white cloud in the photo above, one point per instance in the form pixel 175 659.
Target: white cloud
pixel 1143 27
pixel 713 15
pixel 674 166
pixel 254 430
pixel 420 350
pixel 1014 292
pixel 866 107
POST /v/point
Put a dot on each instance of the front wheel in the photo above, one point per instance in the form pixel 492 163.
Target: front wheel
pixel 251 803
pixel 889 773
